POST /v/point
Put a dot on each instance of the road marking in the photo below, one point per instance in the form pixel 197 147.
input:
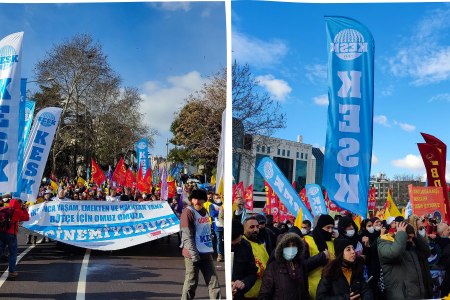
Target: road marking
pixel 81 290
pixel 6 273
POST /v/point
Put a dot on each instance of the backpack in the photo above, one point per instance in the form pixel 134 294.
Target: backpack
pixel 6 218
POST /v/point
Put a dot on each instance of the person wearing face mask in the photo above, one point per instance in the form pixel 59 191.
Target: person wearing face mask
pixel 347 230
pixel 287 277
pixel 244 266
pixel 265 235
pixel 399 255
pixel 251 230
pixel 318 251
pixel 417 224
pixel 376 225
pixel 342 278
pixel 306 227
pixel 367 230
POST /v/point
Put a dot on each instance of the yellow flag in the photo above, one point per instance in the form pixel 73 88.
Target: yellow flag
pixel 220 191
pixel 213 180
pixel 403 211
pixel 81 180
pixel 299 220
pixel 393 210
pixel 54 186
pixel 358 222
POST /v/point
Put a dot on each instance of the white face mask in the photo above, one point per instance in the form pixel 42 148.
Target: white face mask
pixel 371 230
pixel 304 232
pixel 423 232
pixel 336 224
pixel 378 228
pixel 350 233
pixel 218 201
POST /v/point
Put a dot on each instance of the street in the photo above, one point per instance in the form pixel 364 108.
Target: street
pixel 153 270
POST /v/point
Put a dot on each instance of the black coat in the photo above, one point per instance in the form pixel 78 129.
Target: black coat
pixel 270 239
pixel 244 268
pixel 273 229
pixel 339 289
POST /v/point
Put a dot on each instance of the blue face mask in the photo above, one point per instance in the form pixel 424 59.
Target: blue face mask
pixel 289 253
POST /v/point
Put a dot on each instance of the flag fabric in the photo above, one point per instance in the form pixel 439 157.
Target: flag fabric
pixel 142 155
pixel 110 173
pixel 164 187
pixel 37 150
pixel 372 199
pixel 97 174
pixel 129 179
pixel 11 104
pixel 54 186
pixel 148 180
pixel 220 174
pixel 348 147
pixel 357 221
pixel 171 189
pixel 432 140
pixel 314 193
pixel 391 207
pixel 87 174
pixel 305 199
pixel 299 220
pixel 120 173
pixel 141 184
pixel 248 196
pixel 52 176
pixel 81 182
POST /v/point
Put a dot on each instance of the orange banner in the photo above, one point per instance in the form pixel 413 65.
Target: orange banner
pixel 428 200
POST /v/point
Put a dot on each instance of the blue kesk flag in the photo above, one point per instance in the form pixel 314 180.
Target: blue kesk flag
pixel 282 187
pixel 142 155
pixel 348 148
pixel 316 199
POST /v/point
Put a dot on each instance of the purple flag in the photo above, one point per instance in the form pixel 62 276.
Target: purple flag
pixel 164 187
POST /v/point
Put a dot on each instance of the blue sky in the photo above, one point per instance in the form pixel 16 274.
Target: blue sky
pixel 165 49
pixel 285 44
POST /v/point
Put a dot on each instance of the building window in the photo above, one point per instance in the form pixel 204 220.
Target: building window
pixel 289 153
pixel 257 148
pixel 284 152
pixel 300 175
pixel 306 155
pixel 278 151
pixel 263 149
pixel 301 156
pixel 258 181
pixel 268 150
pixel 297 154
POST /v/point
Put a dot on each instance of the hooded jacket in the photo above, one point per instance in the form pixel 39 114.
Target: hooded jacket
pixel 18 215
pixel 401 268
pixel 277 283
pixel 356 239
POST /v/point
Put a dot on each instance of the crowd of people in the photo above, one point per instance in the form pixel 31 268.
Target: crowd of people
pixel 334 258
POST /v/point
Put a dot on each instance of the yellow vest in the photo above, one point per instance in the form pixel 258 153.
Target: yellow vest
pixel 261 259
pixel 315 275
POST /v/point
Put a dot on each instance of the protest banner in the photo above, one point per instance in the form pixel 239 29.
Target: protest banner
pixel 248 196
pixel 282 187
pixel 271 201
pixel 10 105
pixel 103 225
pixel 428 200
pixel 348 147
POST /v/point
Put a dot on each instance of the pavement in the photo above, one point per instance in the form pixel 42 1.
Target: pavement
pixel 153 270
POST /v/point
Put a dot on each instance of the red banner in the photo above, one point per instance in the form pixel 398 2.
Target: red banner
pixel 305 199
pixel 141 184
pixel 172 191
pixel 431 140
pixel 248 196
pixel 148 179
pixel 271 202
pixel 428 200
pixel 432 158
pixel 372 199
pixel 97 174
pixel 52 176
pixel 130 179
pixel 120 173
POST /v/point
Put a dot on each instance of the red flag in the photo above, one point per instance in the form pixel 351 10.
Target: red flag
pixel 240 186
pixel 130 179
pixel 305 198
pixel 371 203
pixel 52 176
pixel 271 201
pixel 248 196
pixel 97 174
pixel 141 184
pixel 120 173
pixel 148 179
pixel 172 190
pixel 431 140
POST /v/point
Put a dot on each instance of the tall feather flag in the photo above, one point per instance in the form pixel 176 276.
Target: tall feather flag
pixel 141 184
pixel 220 175
pixel 164 187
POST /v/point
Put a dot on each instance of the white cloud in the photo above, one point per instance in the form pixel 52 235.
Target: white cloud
pixel 445 97
pixel 421 56
pixel 172 6
pixel 321 100
pixel 414 163
pixel 387 91
pixel 375 160
pixel 407 127
pixel 206 12
pixel 161 100
pixel 276 87
pixel 317 74
pixel 381 120
pixel 256 52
